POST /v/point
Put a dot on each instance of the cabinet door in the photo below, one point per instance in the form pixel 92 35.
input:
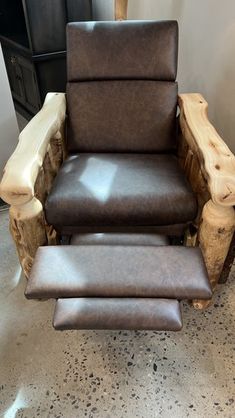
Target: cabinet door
pixel 14 75
pixel 51 75
pixel 79 10
pixel 46 22
pixel 29 80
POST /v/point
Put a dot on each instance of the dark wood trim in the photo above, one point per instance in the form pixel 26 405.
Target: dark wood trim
pixel 15 45
pixel 34 49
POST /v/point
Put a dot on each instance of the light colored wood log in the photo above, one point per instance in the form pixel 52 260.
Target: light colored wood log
pixel 28 178
pixel 191 165
pixel 182 150
pixel 50 169
pixel 27 225
pixel 217 162
pixel 40 189
pixel 215 235
pixel 58 150
pixel 210 167
pixel 21 171
pixel 53 159
pixel 121 9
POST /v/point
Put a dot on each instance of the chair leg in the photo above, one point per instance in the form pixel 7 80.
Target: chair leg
pixel 215 235
pixel 28 228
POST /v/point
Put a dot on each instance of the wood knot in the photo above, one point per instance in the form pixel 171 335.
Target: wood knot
pixel 217 167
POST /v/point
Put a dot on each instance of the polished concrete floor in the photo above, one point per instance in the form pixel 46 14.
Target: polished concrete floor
pixel 44 373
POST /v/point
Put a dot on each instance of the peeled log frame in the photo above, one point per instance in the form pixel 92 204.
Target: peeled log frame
pixel 27 225
pixel 190 164
pixel 217 162
pixel 215 236
pixel 28 177
pixel 217 170
pixel 214 222
pixel 54 157
pixel 27 222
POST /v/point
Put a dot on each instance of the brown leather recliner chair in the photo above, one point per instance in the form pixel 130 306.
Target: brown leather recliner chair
pixel 128 175
pixel 122 132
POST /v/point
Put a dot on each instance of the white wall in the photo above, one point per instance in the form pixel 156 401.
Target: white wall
pixel 8 125
pixel 207 52
pixel 103 9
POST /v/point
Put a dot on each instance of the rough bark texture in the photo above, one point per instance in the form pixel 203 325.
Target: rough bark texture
pixel 27 225
pixel 215 236
pixel 217 162
pixel 29 175
pixel 190 163
pixel 210 167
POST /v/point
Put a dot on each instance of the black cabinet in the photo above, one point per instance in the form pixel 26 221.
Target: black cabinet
pixel 23 80
pixel 32 34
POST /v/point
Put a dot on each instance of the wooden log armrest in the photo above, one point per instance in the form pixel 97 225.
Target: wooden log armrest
pixel 217 162
pixel 22 169
pixel 210 167
pixel 28 177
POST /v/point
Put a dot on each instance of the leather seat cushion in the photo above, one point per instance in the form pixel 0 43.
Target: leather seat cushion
pixel 120 189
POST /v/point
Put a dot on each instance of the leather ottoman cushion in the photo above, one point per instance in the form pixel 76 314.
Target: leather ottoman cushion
pixel 120 189
pixel 117 313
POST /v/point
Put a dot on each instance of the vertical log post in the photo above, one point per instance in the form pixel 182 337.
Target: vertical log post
pixel 210 167
pixel 28 177
pixel 215 235
pixel 27 225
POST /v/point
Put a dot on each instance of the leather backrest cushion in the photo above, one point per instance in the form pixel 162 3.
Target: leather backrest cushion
pixel 122 116
pixel 122 50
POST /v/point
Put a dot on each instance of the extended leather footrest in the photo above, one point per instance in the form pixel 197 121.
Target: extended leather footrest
pixel 171 272
pixel 118 313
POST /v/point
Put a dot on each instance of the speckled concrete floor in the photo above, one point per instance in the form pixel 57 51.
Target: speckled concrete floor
pixel 111 374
